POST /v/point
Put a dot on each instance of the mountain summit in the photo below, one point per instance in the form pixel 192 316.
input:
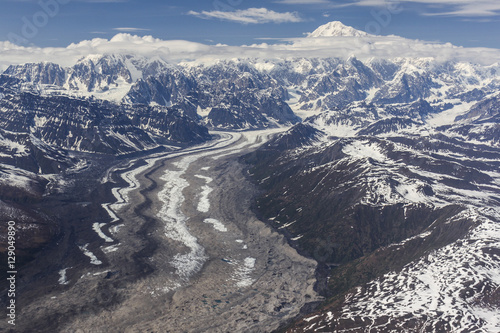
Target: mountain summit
pixel 336 29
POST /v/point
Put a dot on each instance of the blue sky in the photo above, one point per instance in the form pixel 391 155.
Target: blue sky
pixel 237 22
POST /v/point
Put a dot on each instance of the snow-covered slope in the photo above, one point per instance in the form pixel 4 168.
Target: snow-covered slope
pixel 403 216
pixel 336 29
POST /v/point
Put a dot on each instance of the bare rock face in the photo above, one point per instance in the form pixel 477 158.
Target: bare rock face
pixel 98 73
pixel 170 87
pixel 39 73
pixel 486 109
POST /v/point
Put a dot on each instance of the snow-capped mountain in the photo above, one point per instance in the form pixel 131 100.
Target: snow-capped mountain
pixel 136 80
pixel 44 73
pixel 336 29
pixel 108 77
pixel 266 87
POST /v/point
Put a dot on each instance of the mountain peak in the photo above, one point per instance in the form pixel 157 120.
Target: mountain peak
pixel 336 29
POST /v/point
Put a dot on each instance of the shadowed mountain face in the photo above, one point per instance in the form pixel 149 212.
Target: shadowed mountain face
pixel 96 126
pixel 373 209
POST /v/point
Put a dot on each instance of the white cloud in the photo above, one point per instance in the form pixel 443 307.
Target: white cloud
pixel 174 51
pixel 480 8
pixel 249 16
pixel 129 29
pixel 450 7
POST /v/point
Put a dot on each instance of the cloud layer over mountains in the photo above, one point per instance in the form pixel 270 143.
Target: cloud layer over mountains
pixel 316 44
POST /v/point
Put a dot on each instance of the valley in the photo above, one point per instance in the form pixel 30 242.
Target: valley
pixel 182 249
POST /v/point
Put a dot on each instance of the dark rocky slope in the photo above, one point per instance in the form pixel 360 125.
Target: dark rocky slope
pixel 346 202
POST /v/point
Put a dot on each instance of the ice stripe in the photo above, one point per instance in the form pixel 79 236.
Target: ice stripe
pixel 97 228
pixel 93 259
pixel 204 203
pixel 62 277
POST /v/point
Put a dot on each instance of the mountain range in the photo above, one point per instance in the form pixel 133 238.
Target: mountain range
pixel 389 175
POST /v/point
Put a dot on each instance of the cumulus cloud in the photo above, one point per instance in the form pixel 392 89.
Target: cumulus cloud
pixel 250 16
pixel 449 7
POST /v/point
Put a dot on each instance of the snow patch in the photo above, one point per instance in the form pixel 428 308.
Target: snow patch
pixel 93 259
pixel 204 203
pixel 115 229
pixel 216 224
pixel 448 117
pixel 98 229
pixel 62 277
pixel 243 273
pixel 110 249
pixel 411 193
pixel 448 283
pixel 365 149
